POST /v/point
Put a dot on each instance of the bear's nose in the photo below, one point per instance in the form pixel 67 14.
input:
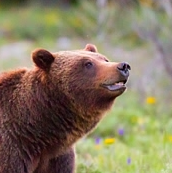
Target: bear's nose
pixel 124 68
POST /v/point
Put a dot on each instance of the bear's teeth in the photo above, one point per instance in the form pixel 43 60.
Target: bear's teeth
pixel 115 86
pixel 119 83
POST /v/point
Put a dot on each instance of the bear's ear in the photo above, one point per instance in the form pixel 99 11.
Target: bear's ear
pixel 91 48
pixel 42 58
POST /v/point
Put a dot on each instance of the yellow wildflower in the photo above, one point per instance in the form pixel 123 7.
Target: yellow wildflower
pixel 151 100
pixel 170 138
pixel 109 141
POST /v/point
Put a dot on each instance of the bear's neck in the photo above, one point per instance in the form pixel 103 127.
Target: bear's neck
pixel 52 120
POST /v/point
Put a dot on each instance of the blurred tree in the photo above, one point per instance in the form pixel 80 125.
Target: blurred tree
pixel 64 3
pixel 162 49
pixel 12 3
pixel 57 2
pixel 155 28
pixel 126 3
pixel 40 2
pixel 166 5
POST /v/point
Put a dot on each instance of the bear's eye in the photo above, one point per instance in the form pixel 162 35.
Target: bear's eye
pixel 88 65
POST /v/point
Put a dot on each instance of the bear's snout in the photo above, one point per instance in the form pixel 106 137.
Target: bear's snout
pixel 124 68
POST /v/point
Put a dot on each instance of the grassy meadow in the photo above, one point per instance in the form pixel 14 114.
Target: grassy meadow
pixel 136 135
pixel 132 138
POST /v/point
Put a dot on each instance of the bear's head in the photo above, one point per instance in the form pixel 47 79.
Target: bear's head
pixel 85 77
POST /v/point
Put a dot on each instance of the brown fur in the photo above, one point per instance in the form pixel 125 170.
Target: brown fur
pixel 45 110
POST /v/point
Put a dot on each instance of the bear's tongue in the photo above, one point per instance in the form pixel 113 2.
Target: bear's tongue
pixel 115 86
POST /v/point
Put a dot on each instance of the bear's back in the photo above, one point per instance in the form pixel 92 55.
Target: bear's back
pixel 9 82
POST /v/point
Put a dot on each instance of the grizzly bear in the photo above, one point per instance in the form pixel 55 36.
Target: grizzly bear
pixel 46 109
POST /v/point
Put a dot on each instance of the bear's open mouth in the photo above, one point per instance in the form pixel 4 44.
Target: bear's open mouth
pixel 115 86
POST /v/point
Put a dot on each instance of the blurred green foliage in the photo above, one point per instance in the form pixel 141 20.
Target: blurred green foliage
pixel 87 20
pixel 40 23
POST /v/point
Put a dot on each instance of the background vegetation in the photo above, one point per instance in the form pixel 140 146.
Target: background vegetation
pixel 136 136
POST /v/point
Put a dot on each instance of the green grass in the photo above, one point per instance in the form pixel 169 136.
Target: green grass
pixel 144 146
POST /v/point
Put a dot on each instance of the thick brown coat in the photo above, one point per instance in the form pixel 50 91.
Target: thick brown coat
pixel 45 110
